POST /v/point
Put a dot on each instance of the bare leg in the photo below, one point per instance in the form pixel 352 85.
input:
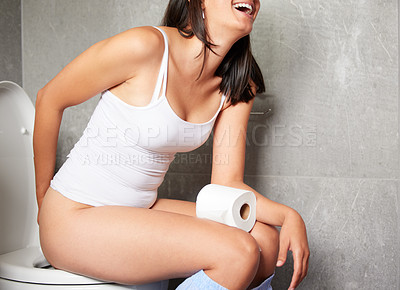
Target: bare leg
pixel 134 245
pixel 266 236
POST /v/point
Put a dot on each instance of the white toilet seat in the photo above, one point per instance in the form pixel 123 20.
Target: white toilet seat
pixel 19 231
pixel 19 266
pixel 17 269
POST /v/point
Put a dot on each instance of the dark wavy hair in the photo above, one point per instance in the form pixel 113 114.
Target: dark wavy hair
pixel 237 69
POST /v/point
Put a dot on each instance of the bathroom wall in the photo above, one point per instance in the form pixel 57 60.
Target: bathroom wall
pixel 10 41
pixel 330 148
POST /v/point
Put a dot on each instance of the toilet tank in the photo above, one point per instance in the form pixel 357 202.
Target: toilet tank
pixel 18 209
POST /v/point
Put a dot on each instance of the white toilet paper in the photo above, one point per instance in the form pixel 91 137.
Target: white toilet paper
pixel 231 206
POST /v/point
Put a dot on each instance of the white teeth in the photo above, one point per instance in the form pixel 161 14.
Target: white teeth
pixel 244 5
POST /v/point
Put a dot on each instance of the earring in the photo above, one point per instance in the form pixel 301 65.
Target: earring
pixel 203 14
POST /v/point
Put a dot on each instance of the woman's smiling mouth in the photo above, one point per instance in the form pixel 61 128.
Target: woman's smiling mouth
pixel 244 7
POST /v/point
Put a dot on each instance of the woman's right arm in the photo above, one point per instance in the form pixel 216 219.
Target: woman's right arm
pixel 104 65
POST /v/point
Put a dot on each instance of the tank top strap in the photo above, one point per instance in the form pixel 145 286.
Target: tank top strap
pixel 223 97
pixel 162 75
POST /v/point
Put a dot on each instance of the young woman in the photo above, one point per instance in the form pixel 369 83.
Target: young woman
pixel 163 90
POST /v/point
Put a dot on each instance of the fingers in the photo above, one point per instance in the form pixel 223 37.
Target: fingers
pixel 305 264
pixel 298 270
pixel 283 249
pixel 300 259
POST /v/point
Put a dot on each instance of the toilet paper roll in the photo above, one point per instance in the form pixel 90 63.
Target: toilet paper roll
pixel 231 206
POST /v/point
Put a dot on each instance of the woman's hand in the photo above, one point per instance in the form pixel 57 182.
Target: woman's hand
pixel 293 237
pixel 230 142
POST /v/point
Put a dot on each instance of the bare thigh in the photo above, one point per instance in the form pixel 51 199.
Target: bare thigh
pixel 266 236
pixel 134 245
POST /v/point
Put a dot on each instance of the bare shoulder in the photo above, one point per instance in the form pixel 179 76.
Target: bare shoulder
pixel 106 64
pixel 145 39
pixel 139 44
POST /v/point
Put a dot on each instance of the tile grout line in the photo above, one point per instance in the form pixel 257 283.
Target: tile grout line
pixel 22 44
pixel 398 136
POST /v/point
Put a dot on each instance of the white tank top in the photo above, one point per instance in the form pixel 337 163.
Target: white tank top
pixel 125 150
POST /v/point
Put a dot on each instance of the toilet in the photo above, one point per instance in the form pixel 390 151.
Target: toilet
pixel 22 264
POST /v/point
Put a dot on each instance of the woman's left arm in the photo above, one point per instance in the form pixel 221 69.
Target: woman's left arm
pixel 229 147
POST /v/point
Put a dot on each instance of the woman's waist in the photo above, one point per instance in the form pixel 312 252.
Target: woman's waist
pixel 97 186
pixel 102 172
pixel 86 195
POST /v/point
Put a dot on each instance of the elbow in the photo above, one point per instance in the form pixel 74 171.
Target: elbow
pixel 39 97
pixel 44 100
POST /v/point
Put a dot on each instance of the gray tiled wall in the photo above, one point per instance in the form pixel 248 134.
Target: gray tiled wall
pixel 10 41
pixel 330 148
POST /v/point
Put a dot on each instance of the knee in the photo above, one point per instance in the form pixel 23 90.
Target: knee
pixel 268 239
pixel 245 252
pixel 266 236
pixel 236 259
